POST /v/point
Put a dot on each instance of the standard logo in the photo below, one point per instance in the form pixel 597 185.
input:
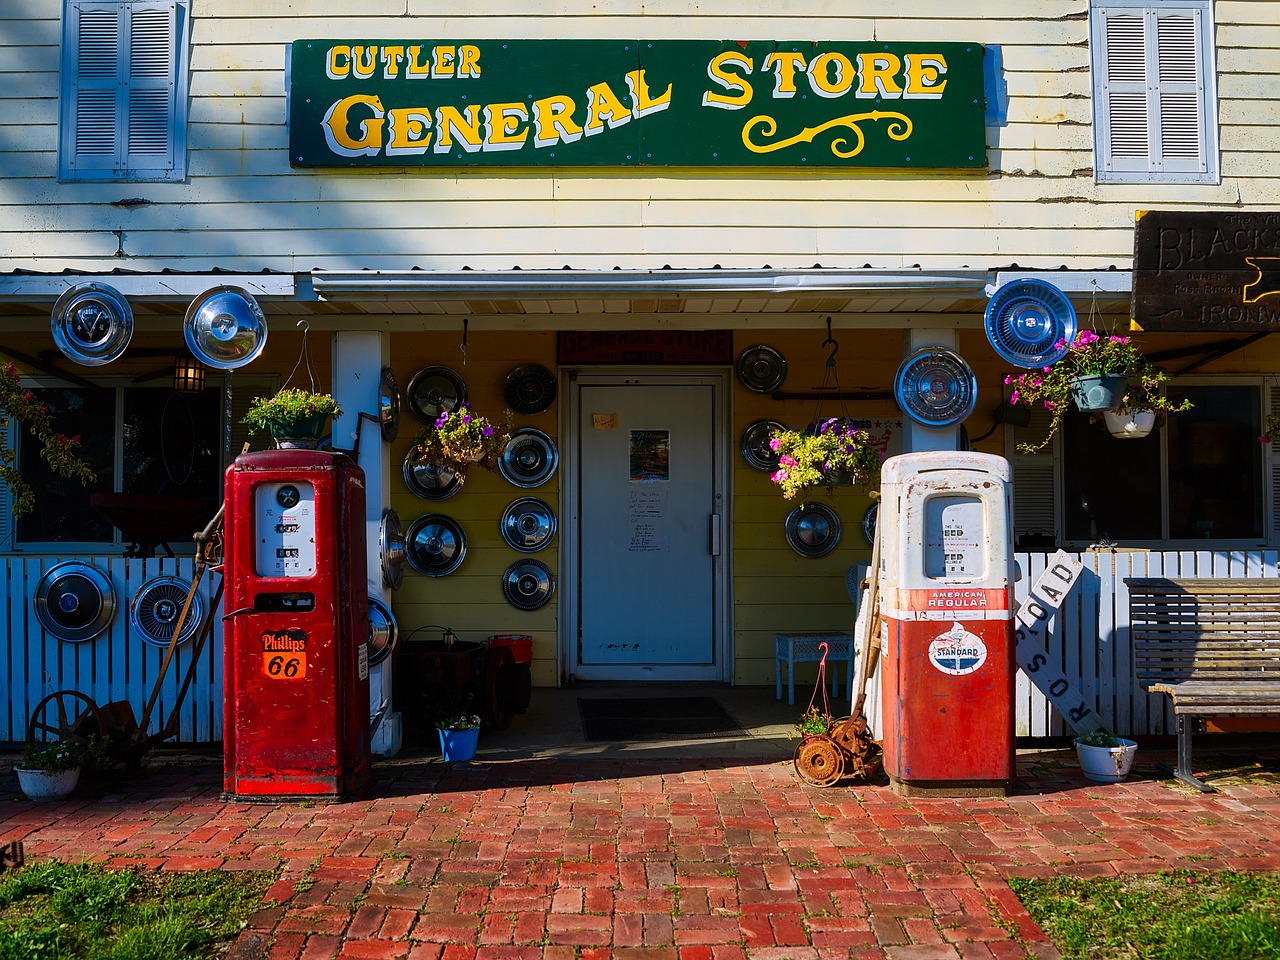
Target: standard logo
pixel 958 652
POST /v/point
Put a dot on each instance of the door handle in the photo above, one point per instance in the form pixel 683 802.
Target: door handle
pixel 715 534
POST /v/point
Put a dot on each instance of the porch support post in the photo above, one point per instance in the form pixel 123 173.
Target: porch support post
pixel 916 437
pixel 358 359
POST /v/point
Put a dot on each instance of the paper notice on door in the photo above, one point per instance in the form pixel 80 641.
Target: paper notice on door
pixel 647 520
pixel 604 421
pixel 650 456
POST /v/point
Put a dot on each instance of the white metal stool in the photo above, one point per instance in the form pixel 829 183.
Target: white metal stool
pixel 793 648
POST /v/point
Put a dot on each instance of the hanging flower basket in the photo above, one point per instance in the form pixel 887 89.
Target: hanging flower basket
pixel 1097 392
pixel 301 434
pixel 294 417
pixel 461 437
pixel 830 453
pixel 1129 424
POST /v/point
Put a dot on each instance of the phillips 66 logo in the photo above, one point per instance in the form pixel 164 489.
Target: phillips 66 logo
pixel 958 652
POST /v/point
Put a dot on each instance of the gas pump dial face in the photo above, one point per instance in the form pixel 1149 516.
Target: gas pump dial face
pixel 287 496
pixel 284 521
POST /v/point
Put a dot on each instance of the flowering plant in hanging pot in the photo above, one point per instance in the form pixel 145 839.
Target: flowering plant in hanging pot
pixel 1098 373
pixel 57 449
pixel 292 416
pixel 461 437
pixel 826 454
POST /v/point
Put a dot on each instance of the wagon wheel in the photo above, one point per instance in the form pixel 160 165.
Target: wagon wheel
pixel 495 717
pixel 66 715
pixel 819 761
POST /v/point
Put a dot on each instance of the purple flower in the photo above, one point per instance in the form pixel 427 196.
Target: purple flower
pixel 466 418
pixel 487 431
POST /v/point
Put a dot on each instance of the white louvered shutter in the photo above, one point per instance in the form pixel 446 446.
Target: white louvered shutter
pixel 1271 465
pixel 1035 483
pixel 1155 93
pixel 121 108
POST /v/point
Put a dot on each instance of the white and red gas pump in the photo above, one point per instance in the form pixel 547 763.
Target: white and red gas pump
pixel 946 595
pixel 296 655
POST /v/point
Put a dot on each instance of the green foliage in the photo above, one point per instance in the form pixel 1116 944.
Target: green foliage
pixel 52 756
pixel 460 721
pixel 813 722
pixel 461 437
pixel 1092 355
pixel 1173 915
pixel 1102 737
pixel 53 910
pixel 823 455
pixel 289 406
pixel 56 449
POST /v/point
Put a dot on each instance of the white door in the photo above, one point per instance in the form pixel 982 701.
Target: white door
pixel 649 586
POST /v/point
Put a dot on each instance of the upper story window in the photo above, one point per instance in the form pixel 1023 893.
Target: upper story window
pixel 124 90
pixel 1154 91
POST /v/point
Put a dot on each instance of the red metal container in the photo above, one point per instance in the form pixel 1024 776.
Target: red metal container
pixel 520 645
pixel 296 673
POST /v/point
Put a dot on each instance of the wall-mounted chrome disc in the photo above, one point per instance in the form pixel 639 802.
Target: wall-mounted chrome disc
pixel 530 458
pixel 936 387
pixel 813 530
pixel 156 607
pixel 755 445
pixel 528 524
pixel 431 481
pixel 225 328
pixel 391 549
pixel 435 544
pixel 529 389
pixel 869 522
pixel 388 405
pixel 384 631
pixel 432 391
pixel 74 601
pixel 92 324
pixel 1026 320
pixel 528 584
pixel 762 368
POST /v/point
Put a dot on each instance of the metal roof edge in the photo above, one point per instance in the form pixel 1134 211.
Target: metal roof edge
pixel 1110 282
pixel 145 286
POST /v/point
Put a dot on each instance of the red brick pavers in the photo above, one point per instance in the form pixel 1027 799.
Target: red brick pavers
pixel 686 860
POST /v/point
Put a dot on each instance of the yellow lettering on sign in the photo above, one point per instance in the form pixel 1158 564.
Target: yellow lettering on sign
pixel 642 101
pixel 336 124
pixel 553 121
pixel 410 130
pixel 738 89
pixel 784 65
pixel 506 125
pixel 364 60
pixel 603 106
pixel 443 61
pixel 831 75
pixel 391 57
pixel 338 63
pixel 468 60
pixel 923 73
pixel 451 122
pixel 877 71
pixel 418 65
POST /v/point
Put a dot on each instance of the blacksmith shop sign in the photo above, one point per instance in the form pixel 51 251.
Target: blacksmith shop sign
pixel 406 101
pixel 1207 271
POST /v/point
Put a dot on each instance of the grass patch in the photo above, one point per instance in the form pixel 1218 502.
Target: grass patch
pixel 1173 915
pixel 60 911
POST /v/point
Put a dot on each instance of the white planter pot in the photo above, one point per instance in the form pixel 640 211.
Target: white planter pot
pixel 42 786
pixel 1106 764
pixel 1130 424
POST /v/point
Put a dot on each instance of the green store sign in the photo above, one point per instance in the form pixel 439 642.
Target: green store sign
pixel 608 103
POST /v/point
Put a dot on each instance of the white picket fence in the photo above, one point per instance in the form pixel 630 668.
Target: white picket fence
pixel 117 665
pixel 1089 639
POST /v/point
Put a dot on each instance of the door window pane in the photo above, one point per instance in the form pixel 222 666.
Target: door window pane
pixel 1215 464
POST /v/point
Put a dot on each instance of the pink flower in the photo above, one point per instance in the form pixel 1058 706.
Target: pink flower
pixel 775 444
pixel 779 476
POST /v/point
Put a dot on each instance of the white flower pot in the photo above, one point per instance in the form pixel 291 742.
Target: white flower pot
pixel 42 786
pixel 1106 764
pixel 1130 424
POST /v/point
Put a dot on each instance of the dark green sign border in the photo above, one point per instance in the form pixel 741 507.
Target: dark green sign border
pixel 689 103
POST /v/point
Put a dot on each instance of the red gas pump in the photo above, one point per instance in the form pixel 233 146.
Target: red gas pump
pixel 946 592
pixel 296 653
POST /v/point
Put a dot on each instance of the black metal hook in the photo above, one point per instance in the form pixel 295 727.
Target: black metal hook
pixel 835 347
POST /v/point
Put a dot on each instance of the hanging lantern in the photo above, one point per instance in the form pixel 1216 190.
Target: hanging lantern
pixel 188 375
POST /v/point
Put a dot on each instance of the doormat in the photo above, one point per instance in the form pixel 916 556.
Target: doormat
pixel 654 718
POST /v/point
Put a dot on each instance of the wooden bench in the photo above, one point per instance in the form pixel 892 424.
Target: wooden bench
pixel 1213 646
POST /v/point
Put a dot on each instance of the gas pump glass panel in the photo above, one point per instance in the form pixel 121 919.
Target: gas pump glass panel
pixel 955 537
pixel 813 530
pixel 530 459
pixel 92 324
pixel 433 391
pixel 755 445
pixel 285 536
pixel 528 524
pixel 436 545
pixel 936 387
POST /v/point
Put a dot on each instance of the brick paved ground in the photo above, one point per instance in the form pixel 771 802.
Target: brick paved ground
pixel 690 859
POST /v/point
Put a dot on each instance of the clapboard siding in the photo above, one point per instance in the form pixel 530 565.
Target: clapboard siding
pixel 118 665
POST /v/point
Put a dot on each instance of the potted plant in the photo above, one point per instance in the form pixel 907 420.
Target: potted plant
pixel 1097 374
pixel 50 769
pixel 294 417
pixel 826 454
pixel 461 437
pixel 1104 757
pixel 1270 429
pixel 813 723
pixel 459 737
